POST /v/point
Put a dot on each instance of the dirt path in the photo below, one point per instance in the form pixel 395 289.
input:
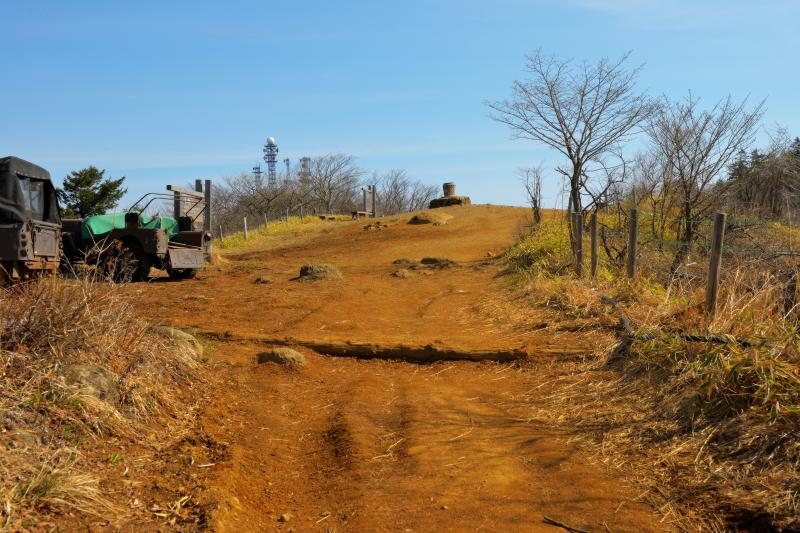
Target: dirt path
pixel 371 445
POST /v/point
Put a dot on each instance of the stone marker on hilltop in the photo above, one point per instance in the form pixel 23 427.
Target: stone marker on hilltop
pixel 450 197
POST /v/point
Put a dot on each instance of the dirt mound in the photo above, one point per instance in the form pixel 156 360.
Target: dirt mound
pixel 282 356
pixel 313 272
pixel 437 262
pixel 427 217
pixel 376 226
pixel 177 335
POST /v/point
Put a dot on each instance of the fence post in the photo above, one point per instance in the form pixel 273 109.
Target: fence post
pixel 632 238
pixel 714 262
pixel 287 215
pixel 245 228
pixel 266 221
pixel 220 232
pixel 593 229
pixel 578 217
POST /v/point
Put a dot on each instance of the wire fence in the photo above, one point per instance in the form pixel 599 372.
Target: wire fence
pixel 695 251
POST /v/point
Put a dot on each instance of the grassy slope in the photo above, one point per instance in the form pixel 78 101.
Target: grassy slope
pixel 716 422
pixel 71 458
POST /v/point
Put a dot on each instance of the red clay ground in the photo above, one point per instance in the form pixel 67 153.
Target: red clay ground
pixel 372 445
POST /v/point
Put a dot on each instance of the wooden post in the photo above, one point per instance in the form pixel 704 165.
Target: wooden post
pixel 287 215
pixel 266 221
pixel 578 217
pixel 632 244
pixel 207 212
pixel 245 228
pixel 220 232
pixel 593 229
pixel 176 205
pixel 714 262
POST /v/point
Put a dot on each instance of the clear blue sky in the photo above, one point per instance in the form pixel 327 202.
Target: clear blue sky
pixel 165 92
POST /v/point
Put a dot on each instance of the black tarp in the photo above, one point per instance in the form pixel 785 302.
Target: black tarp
pixel 15 174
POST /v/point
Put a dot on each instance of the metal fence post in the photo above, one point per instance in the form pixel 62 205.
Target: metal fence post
pixel 632 244
pixel 245 228
pixel 578 217
pixel 593 230
pixel 714 263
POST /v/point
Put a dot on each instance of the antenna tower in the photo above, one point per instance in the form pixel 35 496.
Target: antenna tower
pixel 271 158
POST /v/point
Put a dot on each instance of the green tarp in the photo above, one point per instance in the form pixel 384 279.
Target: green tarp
pixel 98 225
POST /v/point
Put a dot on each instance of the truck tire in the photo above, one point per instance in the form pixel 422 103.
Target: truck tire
pixel 128 262
pixel 182 273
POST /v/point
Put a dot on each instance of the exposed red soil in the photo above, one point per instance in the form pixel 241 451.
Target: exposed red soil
pixel 349 444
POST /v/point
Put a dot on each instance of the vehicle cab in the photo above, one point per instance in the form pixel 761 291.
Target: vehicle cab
pixel 30 224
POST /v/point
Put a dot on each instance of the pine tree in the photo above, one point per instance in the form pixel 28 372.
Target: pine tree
pixel 87 192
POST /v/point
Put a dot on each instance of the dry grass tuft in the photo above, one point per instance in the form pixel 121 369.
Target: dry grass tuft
pixel 51 430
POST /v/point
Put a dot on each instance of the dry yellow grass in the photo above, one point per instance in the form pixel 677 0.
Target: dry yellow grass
pixel 52 431
pixel 709 427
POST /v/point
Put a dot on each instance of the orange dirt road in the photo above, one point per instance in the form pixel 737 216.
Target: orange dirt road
pixel 372 445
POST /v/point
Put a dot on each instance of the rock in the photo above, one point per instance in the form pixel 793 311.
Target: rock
pixel 262 280
pixel 376 225
pixel 180 336
pixel 428 217
pixel 403 261
pixel 282 356
pixel 20 438
pixel 94 379
pixel 437 262
pixel 321 271
pixel 447 201
pixel 402 273
pixel 285 517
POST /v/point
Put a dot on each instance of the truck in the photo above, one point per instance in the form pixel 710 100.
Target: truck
pixel 30 222
pixel 123 246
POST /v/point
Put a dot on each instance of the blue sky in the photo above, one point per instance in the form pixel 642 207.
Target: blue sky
pixel 165 92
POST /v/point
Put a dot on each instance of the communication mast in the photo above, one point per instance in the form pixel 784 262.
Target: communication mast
pixel 271 158
pixel 305 169
pixel 257 173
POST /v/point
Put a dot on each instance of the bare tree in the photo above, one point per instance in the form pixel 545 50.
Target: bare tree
pixel 397 193
pixel 583 111
pixel 333 181
pixel 531 178
pixel 252 195
pixel 698 144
